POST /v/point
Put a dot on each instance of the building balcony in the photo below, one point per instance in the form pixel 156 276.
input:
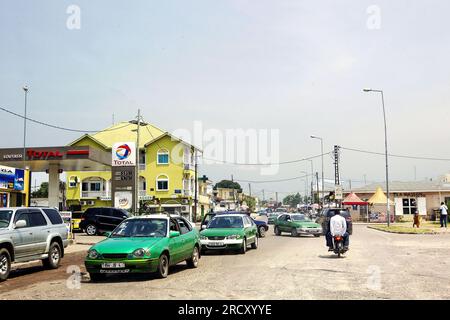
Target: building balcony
pixel 189 167
pixel 95 195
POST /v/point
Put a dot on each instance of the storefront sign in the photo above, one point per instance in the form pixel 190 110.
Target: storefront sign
pixel 123 200
pixel 44 154
pixel 124 154
pixel 11 178
pixel 338 194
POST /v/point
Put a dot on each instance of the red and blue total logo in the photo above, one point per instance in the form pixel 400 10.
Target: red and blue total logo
pixel 123 151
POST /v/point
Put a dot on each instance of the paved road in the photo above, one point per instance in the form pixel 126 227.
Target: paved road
pixel 378 266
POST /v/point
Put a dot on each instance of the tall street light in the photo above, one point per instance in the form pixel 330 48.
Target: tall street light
pixel 385 152
pixel 25 89
pixel 321 148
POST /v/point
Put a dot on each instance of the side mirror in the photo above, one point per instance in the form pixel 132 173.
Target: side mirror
pixel 174 234
pixel 20 224
pixel 107 234
pixel 203 226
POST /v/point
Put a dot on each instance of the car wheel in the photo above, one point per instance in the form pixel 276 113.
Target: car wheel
pixel 294 232
pixel 193 261
pixel 262 231
pixel 95 277
pixel 91 229
pixel 255 244
pixel 54 256
pixel 244 247
pixel 5 264
pixel 163 266
pixel 277 231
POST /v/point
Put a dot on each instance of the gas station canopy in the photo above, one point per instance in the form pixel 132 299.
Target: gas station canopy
pixel 79 158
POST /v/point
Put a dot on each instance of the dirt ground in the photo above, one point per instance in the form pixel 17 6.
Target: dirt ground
pixel 378 266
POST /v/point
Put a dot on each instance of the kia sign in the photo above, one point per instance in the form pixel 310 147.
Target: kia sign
pixel 124 154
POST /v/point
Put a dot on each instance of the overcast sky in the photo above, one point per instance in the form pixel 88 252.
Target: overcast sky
pixel 297 66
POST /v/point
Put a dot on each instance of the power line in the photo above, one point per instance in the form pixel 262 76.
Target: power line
pixel 60 127
pixel 396 155
pixel 269 181
pixel 266 164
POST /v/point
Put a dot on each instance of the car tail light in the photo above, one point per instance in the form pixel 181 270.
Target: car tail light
pixel 338 238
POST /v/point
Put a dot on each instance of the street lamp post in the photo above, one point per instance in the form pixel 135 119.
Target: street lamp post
pixel 25 89
pixel 321 148
pixel 385 152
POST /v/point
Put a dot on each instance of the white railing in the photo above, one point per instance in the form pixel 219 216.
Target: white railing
pixel 95 194
pixel 142 166
pixel 142 193
pixel 187 193
pixel 188 166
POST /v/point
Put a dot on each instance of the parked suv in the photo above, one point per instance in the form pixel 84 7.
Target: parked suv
pixel 100 219
pixel 327 213
pixel 28 234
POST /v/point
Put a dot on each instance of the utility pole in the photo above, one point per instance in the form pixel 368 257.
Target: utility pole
pixel 317 182
pixel 264 197
pixel 350 184
pixel 276 198
pixel 136 186
pixel 250 189
pixel 336 172
pixel 195 186
pixel 365 181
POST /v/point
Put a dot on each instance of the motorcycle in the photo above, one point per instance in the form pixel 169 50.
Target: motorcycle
pixel 338 245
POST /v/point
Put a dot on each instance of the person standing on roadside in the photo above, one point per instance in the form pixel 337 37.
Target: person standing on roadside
pixel 443 216
pixel 416 222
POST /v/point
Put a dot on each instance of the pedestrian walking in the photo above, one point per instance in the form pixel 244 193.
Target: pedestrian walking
pixel 416 222
pixel 443 215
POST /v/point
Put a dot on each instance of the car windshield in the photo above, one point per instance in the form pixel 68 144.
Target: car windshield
pixel 226 222
pixel 299 217
pixel 5 218
pixel 154 228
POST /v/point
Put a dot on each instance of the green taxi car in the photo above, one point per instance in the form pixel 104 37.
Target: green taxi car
pixel 229 231
pixel 145 244
pixel 296 224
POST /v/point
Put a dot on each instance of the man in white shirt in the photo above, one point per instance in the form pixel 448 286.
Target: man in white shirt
pixel 444 215
pixel 338 227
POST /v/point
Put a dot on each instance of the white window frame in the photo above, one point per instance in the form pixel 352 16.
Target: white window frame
pixel 159 178
pixel 163 152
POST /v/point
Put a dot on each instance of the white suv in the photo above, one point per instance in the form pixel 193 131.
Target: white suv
pixel 28 234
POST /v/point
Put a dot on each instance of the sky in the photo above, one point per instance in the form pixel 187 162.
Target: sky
pixel 296 66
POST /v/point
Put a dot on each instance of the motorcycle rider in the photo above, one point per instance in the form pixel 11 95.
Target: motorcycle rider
pixel 337 227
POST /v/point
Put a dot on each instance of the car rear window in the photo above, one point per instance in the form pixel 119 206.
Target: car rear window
pixel 53 216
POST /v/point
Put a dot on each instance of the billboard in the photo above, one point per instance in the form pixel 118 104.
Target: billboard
pixel 124 154
pixel 123 200
pixel 11 178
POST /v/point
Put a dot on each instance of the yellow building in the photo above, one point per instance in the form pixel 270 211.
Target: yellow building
pixel 166 170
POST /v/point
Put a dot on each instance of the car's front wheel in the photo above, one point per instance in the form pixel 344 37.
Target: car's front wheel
pixel 277 231
pixel 193 261
pixel 163 266
pixel 54 256
pixel 255 244
pixel 91 229
pixel 5 264
pixel 294 232
pixel 262 231
pixel 244 247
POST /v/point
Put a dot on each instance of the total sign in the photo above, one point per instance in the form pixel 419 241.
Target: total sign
pixel 124 154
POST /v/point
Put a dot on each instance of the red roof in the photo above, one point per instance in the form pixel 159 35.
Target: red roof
pixel 352 199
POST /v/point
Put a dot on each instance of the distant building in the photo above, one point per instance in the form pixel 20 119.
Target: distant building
pixel 424 196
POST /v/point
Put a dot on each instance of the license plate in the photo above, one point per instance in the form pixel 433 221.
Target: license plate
pixel 115 271
pixel 216 244
pixel 113 265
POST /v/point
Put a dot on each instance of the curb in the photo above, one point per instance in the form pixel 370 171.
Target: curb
pixel 402 232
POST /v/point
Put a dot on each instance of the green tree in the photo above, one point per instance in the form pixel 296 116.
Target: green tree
pixel 228 184
pixel 292 200
pixel 42 192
